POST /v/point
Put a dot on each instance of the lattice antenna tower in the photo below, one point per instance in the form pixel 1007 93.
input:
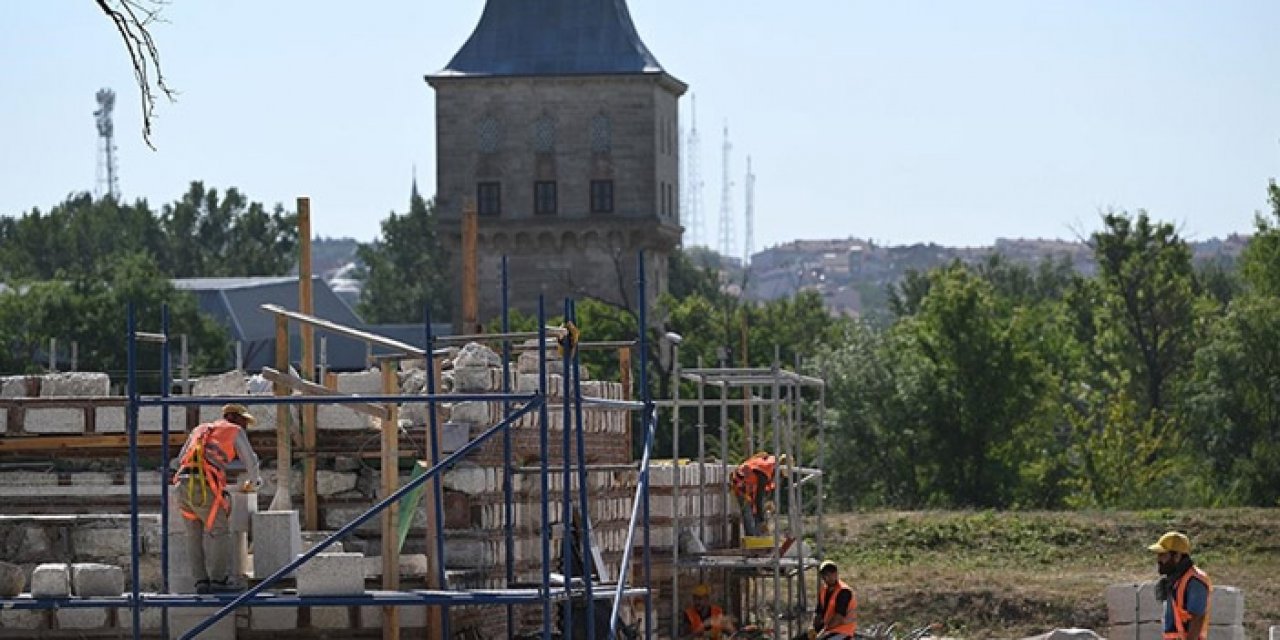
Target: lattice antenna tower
pixel 750 214
pixel 108 177
pixel 692 200
pixel 726 200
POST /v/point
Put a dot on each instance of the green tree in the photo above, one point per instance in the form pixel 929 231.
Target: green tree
pixel 208 235
pixel 77 236
pixel 405 269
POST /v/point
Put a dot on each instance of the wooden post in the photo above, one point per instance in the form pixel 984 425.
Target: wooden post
pixel 624 367
pixel 282 501
pixel 435 615
pixel 748 420
pixel 306 304
pixel 391 515
pixel 470 277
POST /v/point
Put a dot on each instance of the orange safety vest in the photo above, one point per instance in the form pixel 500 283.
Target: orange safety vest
pixel 212 448
pixel 696 624
pixel 830 596
pixel 746 482
pixel 1182 617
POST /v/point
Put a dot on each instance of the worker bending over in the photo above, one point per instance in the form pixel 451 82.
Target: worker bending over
pixel 751 482
pixel 204 498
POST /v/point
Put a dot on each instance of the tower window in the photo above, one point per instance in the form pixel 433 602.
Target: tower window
pixel 544 197
pixel 487 135
pixel 544 135
pixel 489 198
pixel 601 196
pixel 601 134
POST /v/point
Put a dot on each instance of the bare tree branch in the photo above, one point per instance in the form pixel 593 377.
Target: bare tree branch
pixel 132 18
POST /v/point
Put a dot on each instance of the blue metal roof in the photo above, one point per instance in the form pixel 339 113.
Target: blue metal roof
pixel 553 37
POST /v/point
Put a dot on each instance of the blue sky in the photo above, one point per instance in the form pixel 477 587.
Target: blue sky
pixel 954 122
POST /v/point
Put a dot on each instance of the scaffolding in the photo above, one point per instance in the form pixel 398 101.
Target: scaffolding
pixel 568 589
pixel 778 574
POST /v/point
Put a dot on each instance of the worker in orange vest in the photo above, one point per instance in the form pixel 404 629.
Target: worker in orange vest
pixel 204 498
pixel 752 482
pixel 1184 588
pixel 837 613
pixel 703 619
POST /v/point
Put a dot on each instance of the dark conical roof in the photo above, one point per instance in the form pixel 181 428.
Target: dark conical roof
pixel 553 37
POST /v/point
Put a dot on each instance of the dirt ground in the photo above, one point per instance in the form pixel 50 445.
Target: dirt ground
pixel 1016 574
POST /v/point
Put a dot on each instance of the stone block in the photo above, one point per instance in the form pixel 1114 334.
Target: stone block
pixel 330 617
pixel 473 380
pixel 330 483
pixel 412 565
pixel 15 387
pixel 152 618
pixel 184 619
pixel 52 580
pixel 54 420
pixel 468 479
pixel 410 617
pixel 1138 631
pixel 80 618
pixel 340 418
pixel 1228 606
pixel 277 541
pixel 471 413
pixel 332 574
pixel 476 355
pixel 113 420
pixel 231 383
pixel 94 580
pixel 1226 632
pixel 12 580
pixel 28 479
pixel 454 436
pixel 1067 634
pixel 75 384
pixel 1274 632
pixel 273 618
pixel 313 538
pixel 21 619
pixel 107 543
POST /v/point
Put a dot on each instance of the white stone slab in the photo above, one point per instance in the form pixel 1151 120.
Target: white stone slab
pixel 410 617
pixel 114 420
pixel 81 618
pixel 1139 631
pixel 273 618
pixel 90 580
pixel 13 387
pixel 152 618
pixel 54 420
pixel 277 540
pixel 184 619
pixel 1227 606
pixel 1226 632
pixel 341 418
pixel 75 384
pixel 330 617
pixel 21 619
pixel 51 580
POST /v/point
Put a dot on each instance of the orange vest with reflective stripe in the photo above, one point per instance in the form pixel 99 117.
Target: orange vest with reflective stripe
pixel 213 447
pixel 1182 617
pixel 696 624
pixel 746 478
pixel 830 596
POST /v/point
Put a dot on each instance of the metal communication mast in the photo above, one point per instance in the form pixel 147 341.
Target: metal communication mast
pixel 750 206
pixel 108 180
pixel 726 204
pixel 692 200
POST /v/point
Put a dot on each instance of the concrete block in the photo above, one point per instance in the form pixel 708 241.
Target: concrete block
pixel 454 436
pixel 313 538
pixel 114 420
pixel 184 619
pixel 277 540
pixel 273 618
pixel 330 617
pixel 412 565
pixel 470 480
pixel 52 580
pixel 13 579
pixel 15 387
pixel 340 418
pixel 1274 632
pixel 80 618
pixel 473 380
pixel 105 544
pixel 410 617
pixel 1228 606
pixel 28 479
pixel 152 619
pixel 75 383
pixel 332 574
pixel 1226 632
pixel 55 420
pixel 1138 631
pixel 471 413
pixel 231 383
pixel 92 580
pixel 21 619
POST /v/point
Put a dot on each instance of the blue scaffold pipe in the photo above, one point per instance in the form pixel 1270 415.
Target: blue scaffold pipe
pixel 566 541
pixel 588 560
pixel 643 303
pixel 363 518
pixel 165 374
pixel 546 484
pixel 372 398
pixel 625 571
pixel 135 552
pixel 437 498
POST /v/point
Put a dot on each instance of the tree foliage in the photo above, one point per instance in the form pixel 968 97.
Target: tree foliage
pixel 405 269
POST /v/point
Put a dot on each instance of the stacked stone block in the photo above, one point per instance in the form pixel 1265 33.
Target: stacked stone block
pixel 1134 613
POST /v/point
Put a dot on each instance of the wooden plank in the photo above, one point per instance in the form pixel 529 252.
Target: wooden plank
pixel 306 304
pixel 310 388
pixel 470 277
pixel 624 366
pixel 282 501
pixel 343 330
pixel 59 443
pixel 391 515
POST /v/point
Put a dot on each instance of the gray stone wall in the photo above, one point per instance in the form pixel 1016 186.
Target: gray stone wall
pixel 496 130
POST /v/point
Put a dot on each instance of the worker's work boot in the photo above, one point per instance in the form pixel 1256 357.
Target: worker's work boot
pixel 204 587
pixel 230 585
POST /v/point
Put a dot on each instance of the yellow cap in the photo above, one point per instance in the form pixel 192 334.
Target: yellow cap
pixel 1172 541
pixel 702 590
pixel 239 410
pixel 827 566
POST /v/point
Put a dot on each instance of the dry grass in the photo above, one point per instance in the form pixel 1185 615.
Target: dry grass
pixel 1015 574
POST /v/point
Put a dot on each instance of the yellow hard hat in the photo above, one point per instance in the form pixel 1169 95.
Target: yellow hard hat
pixel 239 410
pixel 1172 541
pixel 702 590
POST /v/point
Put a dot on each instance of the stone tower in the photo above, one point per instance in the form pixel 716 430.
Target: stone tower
pixel 561 126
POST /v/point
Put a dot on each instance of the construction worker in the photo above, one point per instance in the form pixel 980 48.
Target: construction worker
pixel 703 619
pixel 1184 588
pixel 837 613
pixel 203 495
pixel 751 482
